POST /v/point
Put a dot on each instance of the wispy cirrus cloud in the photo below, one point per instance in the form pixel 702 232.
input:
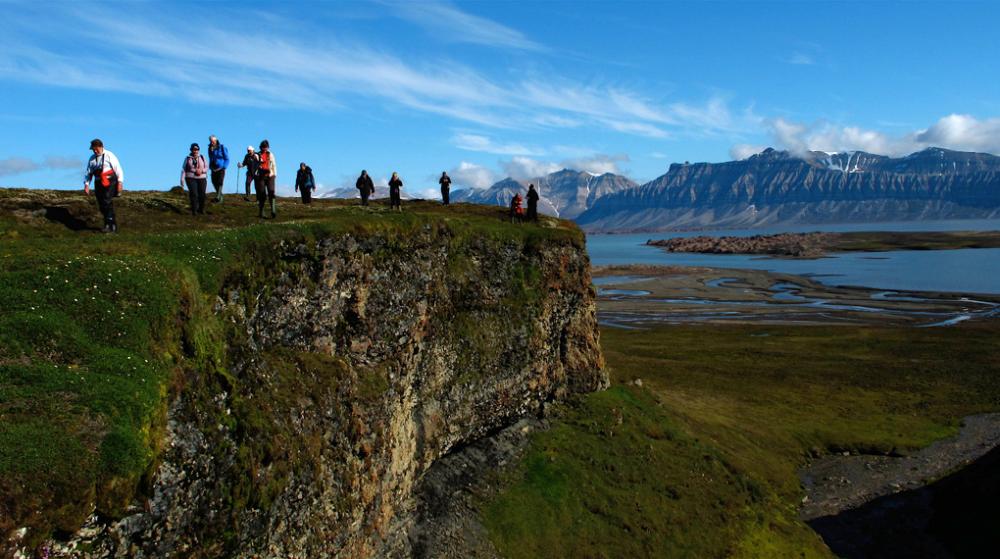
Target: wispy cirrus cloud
pixel 135 50
pixel 478 142
pixel 448 23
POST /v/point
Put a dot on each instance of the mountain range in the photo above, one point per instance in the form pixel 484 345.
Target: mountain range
pixel 565 193
pixel 778 187
pixel 770 188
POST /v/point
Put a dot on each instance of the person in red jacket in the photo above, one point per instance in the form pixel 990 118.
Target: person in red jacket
pixel 516 211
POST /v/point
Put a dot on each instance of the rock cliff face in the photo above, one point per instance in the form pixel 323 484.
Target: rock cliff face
pixel 776 187
pixel 338 374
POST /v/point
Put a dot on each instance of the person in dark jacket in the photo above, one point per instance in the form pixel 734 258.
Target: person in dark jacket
pixel 532 203
pixel 104 168
pixel 445 182
pixel 250 161
pixel 365 186
pixel 305 183
pixel 395 183
pixel 194 175
pixel 516 211
pixel 218 160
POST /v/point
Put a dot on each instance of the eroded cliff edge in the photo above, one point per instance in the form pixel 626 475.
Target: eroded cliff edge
pixel 333 368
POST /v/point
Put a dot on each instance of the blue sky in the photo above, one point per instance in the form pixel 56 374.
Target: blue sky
pixel 487 89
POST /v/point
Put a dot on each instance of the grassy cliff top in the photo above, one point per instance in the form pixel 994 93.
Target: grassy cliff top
pixel 95 328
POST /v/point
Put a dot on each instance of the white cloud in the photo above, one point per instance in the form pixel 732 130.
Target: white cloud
pixel 527 168
pixel 471 175
pixel 448 23
pixel 598 163
pixel 743 151
pixel 477 142
pixel 955 131
pixel 19 165
pixel 801 59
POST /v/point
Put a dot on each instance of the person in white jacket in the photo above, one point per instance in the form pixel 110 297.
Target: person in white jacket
pixel 104 168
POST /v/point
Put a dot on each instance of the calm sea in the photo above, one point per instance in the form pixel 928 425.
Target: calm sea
pixel 963 271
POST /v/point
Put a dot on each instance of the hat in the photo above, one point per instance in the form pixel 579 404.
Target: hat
pixel 96 143
pixel 195 146
pixel 249 148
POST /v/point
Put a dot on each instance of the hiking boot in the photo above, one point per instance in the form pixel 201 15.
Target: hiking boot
pixel 107 228
pixel 273 215
pixel 114 227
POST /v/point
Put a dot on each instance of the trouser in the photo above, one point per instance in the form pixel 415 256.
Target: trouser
pixel 105 202
pixel 197 193
pixel 218 181
pixel 249 182
pixel 265 193
pixel 445 192
pixel 306 195
pixel 532 211
pixel 394 201
pixel 365 193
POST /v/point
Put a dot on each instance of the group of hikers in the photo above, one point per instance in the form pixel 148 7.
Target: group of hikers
pixel 104 169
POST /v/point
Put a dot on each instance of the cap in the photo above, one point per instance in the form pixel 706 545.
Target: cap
pixel 195 146
pixel 249 148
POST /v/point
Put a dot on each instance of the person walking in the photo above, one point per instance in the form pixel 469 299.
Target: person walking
pixel 365 186
pixel 445 182
pixel 194 175
pixel 267 175
pixel 516 211
pixel 532 203
pixel 395 183
pixel 250 161
pixel 109 180
pixel 218 159
pixel 305 183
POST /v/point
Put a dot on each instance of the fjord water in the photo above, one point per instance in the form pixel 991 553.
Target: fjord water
pixel 960 271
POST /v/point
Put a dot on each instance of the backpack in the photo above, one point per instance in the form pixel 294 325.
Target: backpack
pixel 264 167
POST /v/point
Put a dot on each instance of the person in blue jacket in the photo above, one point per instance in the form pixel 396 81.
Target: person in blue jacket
pixel 218 160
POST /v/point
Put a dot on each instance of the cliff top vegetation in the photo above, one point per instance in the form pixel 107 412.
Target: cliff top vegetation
pixel 96 329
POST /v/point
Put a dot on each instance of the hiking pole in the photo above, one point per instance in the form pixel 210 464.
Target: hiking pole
pixel 237 191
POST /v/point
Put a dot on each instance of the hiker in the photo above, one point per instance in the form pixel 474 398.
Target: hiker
pixel 445 182
pixel 305 183
pixel 532 203
pixel 267 174
pixel 516 211
pixel 365 186
pixel 218 159
pixel 104 168
pixel 194 174
pixel 250 161
pixel 395 183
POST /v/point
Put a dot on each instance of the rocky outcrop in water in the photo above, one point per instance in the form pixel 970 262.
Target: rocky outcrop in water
pixel 782 244
pixel 335 376
pixel 777 187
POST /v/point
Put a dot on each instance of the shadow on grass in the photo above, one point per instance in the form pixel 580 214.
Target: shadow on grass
pixel 60 214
